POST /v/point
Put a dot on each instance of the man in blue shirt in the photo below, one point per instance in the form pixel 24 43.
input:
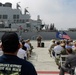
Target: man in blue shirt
pixel 9 62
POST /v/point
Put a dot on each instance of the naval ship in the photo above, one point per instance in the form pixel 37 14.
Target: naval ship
pixel 12 19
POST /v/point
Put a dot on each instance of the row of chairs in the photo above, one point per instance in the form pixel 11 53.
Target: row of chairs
pixel 73 71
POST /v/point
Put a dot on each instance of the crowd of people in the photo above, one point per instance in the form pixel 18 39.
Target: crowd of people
pixel 24 51
pixel 27 47
pixel 14 54
pixel 64 47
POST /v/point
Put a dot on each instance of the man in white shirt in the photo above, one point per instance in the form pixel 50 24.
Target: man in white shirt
pixel 58 48
pixel 27 45
pixel 22 53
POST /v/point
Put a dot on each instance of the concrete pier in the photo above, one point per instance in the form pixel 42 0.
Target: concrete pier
pixel 44 64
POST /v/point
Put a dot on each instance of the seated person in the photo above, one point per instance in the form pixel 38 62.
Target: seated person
pixel 57 50
pixel 69 63
pixel 31 47
pixel 74 47
pixel 10 63
pixel 63 52
pixel 22 53
pixel 51 46
pixel 28 48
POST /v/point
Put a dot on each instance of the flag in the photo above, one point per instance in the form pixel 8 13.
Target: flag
pixel 26 10
pixel 18 6
pixel 66 36
pixel 59 35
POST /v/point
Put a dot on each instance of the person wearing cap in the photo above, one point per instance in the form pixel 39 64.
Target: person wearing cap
pixel 10 63
pixel 68 44
pixel 57 50
pixel 31 47
pixel 70 62
pixel 63 52
pixel 21 52
pixel 74 47
pixel 51 46
pixel 28 48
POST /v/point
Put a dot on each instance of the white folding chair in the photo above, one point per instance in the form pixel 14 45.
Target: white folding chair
pixel 61 61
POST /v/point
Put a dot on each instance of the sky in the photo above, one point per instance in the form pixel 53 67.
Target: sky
pixel 60 12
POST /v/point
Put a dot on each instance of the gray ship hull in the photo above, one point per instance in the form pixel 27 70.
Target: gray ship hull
pixel 45 35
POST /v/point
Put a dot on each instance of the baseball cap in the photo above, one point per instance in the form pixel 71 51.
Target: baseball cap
pixel 10 39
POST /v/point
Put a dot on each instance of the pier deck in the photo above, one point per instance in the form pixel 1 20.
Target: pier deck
pixel 44 64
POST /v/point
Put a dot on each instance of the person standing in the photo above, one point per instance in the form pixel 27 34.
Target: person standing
pixel 39 38
pixel 10 64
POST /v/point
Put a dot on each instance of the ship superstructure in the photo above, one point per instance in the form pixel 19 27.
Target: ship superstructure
pixel 13 18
